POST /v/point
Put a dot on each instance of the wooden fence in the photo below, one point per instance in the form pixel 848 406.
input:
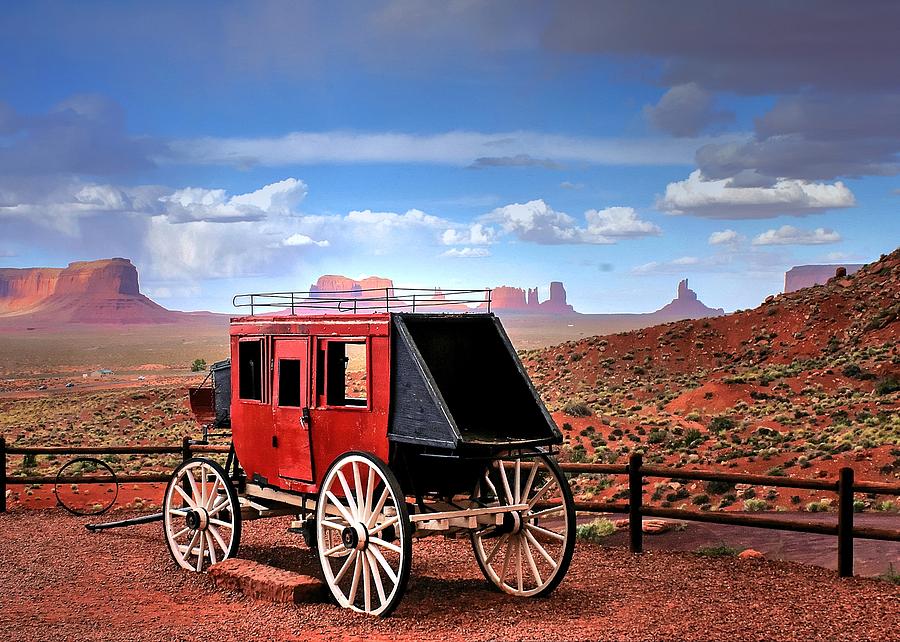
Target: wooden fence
pixel 845 487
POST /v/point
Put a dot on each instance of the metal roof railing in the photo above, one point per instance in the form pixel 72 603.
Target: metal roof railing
pixel 368 300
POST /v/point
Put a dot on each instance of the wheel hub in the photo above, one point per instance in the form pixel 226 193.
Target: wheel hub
pixel 355 537
pixel 196 519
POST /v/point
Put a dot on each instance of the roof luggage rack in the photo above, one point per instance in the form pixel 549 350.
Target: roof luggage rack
pixel 369 300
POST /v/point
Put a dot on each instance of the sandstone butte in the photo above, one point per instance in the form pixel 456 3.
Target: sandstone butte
pixel 89 292
pixel 806 276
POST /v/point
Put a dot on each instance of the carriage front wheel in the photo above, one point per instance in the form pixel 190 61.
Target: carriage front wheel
pixel 364 534
pixel 529 553
pixel 201 515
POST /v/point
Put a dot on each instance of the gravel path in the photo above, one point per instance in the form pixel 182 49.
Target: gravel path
pixel 57 581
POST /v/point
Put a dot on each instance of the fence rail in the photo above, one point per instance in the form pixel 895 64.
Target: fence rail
pixel 845 486
pixel 186 450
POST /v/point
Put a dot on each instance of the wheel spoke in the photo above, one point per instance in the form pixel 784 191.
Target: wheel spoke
pixel 545 532
pixel 348 496
pixel 334 549
pixel 354 586
pixel 212 494
pixel 202 485
pixel 529 481
pixel 388 522
pixel 370 491
pixel 490 484
pixel 388 545
pixel 547 511
pixel 531 538
pixel 518 494
pixel 200 546
pixel 519 563
pixel 184 530
pixel 378 508
pixel 346 566
pixel 500 540
pixel 190 547
pixel 340 507
pixel 537 496
pixel 384 564
pixel 506 557
pixel 187 498
pixel 509 495
pixel 376 575
pixel 367 584
pixel 218 507
pixel 181 512
pixel 218 537
pixel 332 525
pixel 360 499
pixel 219 522
pixel 534 569
pixel 212 549
pixel 195 492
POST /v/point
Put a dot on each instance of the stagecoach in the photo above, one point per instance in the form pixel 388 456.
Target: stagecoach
pixel 375 418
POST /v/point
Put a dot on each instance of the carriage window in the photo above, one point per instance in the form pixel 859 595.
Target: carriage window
pixel 289 382
pixel 250 369
pixel 345 381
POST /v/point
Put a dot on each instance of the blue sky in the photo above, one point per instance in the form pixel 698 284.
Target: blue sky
pixel 230 147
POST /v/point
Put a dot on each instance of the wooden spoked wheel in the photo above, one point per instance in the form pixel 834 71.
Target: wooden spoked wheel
pixel 529 554
pixel 364 535
pixel 201 515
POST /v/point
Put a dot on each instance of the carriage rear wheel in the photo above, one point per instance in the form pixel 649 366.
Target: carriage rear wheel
pixel 201 515
pixel 364 535
pixel 529 554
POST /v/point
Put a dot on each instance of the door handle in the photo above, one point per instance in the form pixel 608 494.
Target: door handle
pixel 304 418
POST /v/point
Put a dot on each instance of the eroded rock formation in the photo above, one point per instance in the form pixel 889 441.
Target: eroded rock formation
pixel 806 276
pixel 104 291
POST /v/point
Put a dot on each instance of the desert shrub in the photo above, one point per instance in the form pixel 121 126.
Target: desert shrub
pixel 722 550
pixel 858 506
pixel 887 385
pixel 596 530
pixel 700 499
pixel 890 575
pixel 693 436
pixel 777 471
pixel 657 436
pixel 577 409
pixel 29 461
pixel 817 507
pixel 718 487
pixel 721 423
pixel 755 505
pixel 199 365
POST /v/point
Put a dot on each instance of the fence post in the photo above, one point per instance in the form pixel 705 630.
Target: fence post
pixel 845 522
pixel 635 493
pixel 185 448
pixel 2 475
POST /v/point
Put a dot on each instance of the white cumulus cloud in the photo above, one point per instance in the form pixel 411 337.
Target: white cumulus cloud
pixel 720 200
pixel 474 234
pixel 790 235
pixel 724 237
pixel 299 240
pixel 467 253
pixel 537 222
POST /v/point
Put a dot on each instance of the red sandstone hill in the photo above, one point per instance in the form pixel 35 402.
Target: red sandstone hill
pixel 805 383
pixel 85 292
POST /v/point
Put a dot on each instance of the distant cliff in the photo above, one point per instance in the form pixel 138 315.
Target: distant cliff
pixel 509 299
pixel 94 292
pixel 806 276
pixel 686 305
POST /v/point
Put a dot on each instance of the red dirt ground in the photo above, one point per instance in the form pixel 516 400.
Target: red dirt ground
pixel 59 581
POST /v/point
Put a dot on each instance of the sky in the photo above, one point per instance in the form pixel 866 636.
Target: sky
pixel 230 147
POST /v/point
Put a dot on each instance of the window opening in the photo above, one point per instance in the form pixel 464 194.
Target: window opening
pixel 347 373
pixel 289 382
pixel 250 368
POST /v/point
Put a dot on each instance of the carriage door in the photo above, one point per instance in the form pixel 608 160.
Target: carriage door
pixel 291 399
